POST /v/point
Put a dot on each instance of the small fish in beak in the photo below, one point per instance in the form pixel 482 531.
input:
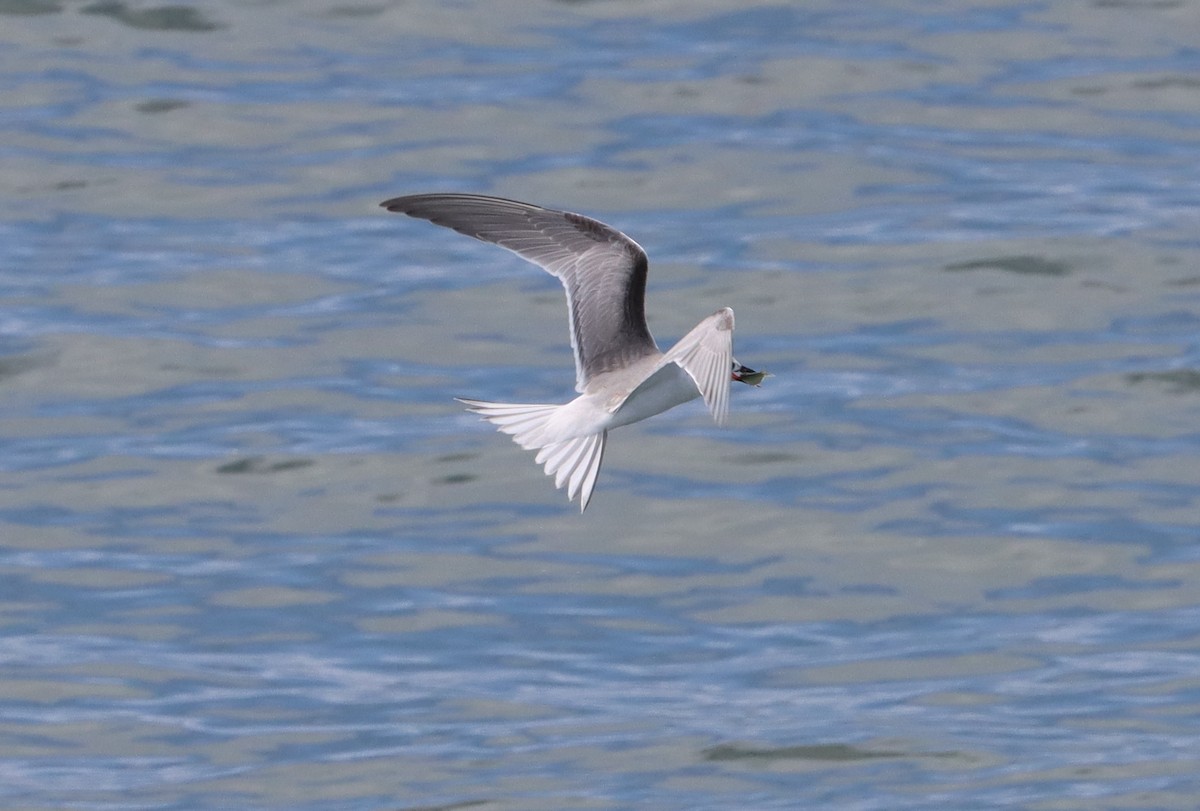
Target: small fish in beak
pixel 744 374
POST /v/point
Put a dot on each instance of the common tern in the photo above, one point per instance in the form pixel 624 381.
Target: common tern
pixel 620 374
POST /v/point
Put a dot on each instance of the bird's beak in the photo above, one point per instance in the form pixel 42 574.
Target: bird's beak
pixel 744 374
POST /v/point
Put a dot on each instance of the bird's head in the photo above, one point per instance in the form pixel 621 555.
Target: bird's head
pixel 744 374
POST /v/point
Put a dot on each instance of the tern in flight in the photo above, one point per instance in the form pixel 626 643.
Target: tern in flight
pixel 620 374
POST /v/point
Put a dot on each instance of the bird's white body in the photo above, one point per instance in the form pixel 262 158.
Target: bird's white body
pixel 670 387
pixel 616 399
pixel 621 375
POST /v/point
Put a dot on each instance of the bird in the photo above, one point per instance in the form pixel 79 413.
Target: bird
pixel 620 374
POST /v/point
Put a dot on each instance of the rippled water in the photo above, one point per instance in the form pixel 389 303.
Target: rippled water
pixel 253 555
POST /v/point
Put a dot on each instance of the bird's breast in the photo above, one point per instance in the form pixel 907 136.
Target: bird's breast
pixel 666 388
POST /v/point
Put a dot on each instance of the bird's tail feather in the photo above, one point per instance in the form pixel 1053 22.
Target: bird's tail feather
pixel 574 462
pixel 526 423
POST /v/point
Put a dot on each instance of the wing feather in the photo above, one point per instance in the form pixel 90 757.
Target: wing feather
pixel 602 270
pixel 706 354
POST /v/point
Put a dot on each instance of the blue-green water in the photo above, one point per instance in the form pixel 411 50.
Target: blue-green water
pixel 253 555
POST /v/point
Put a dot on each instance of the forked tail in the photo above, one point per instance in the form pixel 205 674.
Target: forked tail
pixel 574 462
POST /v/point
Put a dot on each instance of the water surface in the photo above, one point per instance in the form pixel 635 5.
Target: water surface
pixel 253 555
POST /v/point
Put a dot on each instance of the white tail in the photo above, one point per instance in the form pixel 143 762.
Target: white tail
pixel 574 462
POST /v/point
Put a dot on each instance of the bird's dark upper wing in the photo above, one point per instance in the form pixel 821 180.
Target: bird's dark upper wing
pixel 602 270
